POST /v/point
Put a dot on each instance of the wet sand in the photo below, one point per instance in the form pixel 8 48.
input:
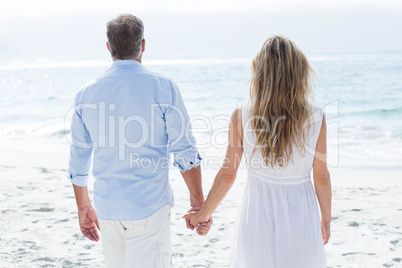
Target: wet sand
pixel 39 225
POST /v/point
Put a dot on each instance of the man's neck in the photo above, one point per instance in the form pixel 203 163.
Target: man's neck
pixel 137 59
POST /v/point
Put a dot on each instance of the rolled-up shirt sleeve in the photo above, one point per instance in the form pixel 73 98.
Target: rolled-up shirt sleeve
pixel 181 140
pixel 81 148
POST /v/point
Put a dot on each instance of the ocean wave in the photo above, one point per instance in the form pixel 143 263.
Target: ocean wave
pixel 377 111
pixel 324 59
pixel 45 131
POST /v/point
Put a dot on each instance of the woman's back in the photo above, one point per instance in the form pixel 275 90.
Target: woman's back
pixel 281 137
pixel 278 223
pixel 300 163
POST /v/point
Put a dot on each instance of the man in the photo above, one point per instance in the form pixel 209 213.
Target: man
pixel 130 119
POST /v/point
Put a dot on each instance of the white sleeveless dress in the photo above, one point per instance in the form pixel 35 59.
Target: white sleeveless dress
pixel 278 224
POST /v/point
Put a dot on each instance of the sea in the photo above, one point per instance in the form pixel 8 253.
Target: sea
pixel 360 91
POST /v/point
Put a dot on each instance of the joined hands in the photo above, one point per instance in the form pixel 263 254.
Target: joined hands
pixel 195 220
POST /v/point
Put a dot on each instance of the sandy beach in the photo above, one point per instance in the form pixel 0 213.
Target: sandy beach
pixel 211 50
pixel 40 226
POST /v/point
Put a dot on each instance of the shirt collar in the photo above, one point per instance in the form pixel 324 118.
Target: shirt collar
pixel 126 63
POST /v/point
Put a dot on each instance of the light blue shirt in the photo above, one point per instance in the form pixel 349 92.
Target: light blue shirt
pixel 130 119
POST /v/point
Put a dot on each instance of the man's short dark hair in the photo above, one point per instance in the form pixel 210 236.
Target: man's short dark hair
pixel 125 34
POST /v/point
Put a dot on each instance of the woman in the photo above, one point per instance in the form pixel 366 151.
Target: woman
pixel 282 137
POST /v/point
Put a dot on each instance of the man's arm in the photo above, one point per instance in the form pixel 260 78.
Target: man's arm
pixel 193 181
pixel 79 164
pixel 182 145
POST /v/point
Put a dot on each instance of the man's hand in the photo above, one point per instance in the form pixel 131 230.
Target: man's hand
pixel 88 223
pixel 193 209
pixel 204 227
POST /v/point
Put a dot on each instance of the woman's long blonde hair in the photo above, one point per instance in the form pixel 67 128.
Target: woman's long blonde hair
pixel 280 91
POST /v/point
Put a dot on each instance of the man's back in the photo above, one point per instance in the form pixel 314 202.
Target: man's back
pixel 131 119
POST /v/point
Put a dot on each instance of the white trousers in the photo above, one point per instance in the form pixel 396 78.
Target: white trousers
pixel 141 243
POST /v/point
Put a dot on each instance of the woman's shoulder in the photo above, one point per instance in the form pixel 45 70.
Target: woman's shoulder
pixel 237 114
pixel 244 111
pixel 317 113
pixel 317 108
pixel 245 107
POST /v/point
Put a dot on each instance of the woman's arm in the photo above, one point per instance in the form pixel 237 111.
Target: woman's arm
pixel 226 175
pixel 322 181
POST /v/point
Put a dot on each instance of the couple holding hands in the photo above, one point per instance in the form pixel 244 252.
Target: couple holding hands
pixel 130 111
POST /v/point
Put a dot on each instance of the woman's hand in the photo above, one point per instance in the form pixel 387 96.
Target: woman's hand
pixel 326 231
pixel 197 220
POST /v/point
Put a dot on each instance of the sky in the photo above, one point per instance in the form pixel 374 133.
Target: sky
pixel 77 28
